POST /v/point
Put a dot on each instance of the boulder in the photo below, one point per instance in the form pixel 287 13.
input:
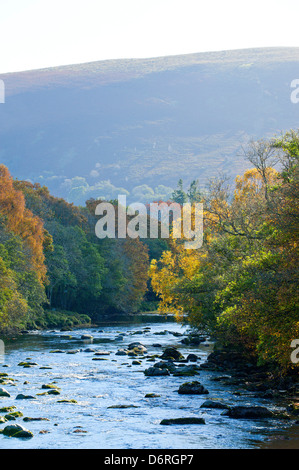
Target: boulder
pixel 192 388
pixel 156 371
pixel 49 386
pixel 194 340
pixel 14 415
pixel 166 365
pixel 214 404
pixel 16 430
pixel 190 420
pixel 24 397
pixel 137 348
pixel 249 412
pixel 192 357
pixel 86 337
pixel 172 353
pixel 122 352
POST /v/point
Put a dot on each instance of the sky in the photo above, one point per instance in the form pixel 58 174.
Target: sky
pixel 44 33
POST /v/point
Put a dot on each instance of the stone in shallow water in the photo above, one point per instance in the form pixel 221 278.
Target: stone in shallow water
pixel 192 388
pixel 14 415
pixel 249 412
pixel 49 386
pixel 16 430
pixel 188 420
pixel 26 419
pixel 192 357
pixel 172 353
pixel 25 397
pixel 4 393
pixel 67 401
pixel 7 409
pixel 156 371
pixel 122 352
pixel 122 406
pixel 214 404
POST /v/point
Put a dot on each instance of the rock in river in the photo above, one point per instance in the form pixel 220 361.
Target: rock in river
pixel 192 388
pixel 249 412
pixel 183 421
pixel 172 353
pixel 4 393
pixel 25 397
pixel 156 371
pixel 214 404
pixel 16 430
pixel 86 337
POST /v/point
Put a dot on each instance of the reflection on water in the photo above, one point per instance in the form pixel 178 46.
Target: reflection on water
pixel 98 385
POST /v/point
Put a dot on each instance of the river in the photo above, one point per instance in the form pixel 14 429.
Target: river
pixel 113 380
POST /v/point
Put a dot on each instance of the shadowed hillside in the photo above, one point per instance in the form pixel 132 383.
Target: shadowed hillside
pixel 138 125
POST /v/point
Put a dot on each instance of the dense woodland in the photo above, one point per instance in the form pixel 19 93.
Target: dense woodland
pixel 242 285
pixel 52 264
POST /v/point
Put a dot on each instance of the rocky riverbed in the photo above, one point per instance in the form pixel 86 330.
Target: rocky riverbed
pixel 150 385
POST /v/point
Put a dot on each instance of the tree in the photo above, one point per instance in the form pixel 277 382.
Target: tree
pixel 243 283
pixel 179 194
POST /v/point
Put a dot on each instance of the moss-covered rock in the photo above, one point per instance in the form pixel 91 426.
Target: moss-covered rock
pixel 156 371
pixel 249 412
pixel 16 430
pixel 49 386
pixel 214 404
pixel 7 409
pixel 172 353
pixel 27 364
pixel 14 415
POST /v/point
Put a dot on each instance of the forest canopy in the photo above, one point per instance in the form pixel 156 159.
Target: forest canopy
pixel 241 285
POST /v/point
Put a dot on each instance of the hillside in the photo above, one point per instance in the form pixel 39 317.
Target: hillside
pixel 138 125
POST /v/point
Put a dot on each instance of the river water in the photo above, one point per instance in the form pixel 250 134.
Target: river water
pixel 97 385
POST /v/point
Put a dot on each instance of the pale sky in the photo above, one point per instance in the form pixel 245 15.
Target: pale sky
pixel 45 33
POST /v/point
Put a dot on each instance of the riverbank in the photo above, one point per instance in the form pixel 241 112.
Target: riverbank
pixel 67 321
